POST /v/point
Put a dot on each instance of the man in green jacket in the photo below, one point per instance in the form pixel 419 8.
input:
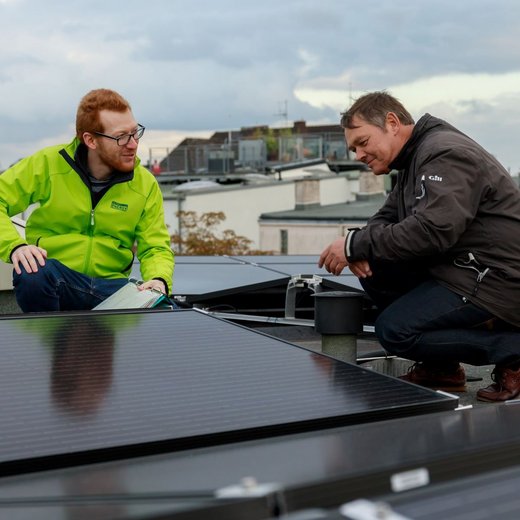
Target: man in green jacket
pixel 94 205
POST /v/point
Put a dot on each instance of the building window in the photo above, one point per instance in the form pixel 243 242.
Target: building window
pixel 284 241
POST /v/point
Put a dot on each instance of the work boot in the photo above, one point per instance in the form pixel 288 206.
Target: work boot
pixel 506 384
pixel 437 377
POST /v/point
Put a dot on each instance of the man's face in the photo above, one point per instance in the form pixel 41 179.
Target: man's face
pixel 372 145
pixel 116 124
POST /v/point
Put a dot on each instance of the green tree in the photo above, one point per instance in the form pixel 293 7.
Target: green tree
pixel 270 137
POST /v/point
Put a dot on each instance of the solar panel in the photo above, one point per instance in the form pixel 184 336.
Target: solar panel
pixel 80 387
pixel 488 495
pixel 199 278
pixel 314 469
pixel 202 278
pixel 204 259
pixel 303 264
pixel 200 281
pixel 149 508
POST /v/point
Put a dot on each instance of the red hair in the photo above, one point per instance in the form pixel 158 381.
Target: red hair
pixel 87 116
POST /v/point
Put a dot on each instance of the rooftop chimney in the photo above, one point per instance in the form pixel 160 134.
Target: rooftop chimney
pixel 299 127
pixel 307 193
pixel 370 185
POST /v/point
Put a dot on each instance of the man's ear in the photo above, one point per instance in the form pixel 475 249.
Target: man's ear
pixel 392 122
pixel 89 140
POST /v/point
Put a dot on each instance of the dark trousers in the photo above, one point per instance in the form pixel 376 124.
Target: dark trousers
pixel 55 287
pixel 424 321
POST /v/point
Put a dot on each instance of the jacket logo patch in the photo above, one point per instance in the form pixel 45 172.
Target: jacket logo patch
pixel 119 206
pixel 435 178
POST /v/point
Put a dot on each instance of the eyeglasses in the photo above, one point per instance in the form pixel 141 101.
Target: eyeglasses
pixel 123 140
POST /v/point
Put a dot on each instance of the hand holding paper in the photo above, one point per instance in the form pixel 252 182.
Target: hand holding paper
pixel 133 295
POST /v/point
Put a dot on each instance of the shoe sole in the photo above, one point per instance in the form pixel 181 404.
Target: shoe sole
pixel 484 400
pixel 498 401
pixel 460 388
pixel 434 386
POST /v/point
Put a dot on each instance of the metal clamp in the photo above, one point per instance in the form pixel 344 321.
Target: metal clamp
pixel 297 283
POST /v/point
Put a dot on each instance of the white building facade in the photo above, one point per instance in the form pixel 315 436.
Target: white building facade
pixel 243 204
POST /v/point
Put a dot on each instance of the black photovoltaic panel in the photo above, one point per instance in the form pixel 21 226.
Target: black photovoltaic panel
pixel 318 469
pixel 200 281
pixel 493 494
pixel 201 277
pixel 197 259
pixel 205 259
pixel 120 508
pixel 304 264
pixel 84 387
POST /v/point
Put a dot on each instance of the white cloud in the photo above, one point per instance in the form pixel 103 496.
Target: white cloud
pixel 459 90
pixel 456 90
pixel 486 106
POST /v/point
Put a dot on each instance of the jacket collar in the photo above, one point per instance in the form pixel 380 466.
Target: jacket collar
pixel 75 153
pixel 424 126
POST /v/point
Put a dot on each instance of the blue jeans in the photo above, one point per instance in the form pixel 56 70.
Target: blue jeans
pixel 55 287
pixel 430 323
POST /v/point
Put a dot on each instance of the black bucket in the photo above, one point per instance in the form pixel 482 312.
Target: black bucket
pixel 338 312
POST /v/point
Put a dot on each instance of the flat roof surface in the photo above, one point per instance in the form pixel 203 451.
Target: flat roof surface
pixel 356 210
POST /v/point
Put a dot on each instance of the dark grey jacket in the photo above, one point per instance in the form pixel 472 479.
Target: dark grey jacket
pixel 458 209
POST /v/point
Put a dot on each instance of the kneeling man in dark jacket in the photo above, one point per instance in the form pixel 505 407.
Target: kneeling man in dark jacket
pixel 441 258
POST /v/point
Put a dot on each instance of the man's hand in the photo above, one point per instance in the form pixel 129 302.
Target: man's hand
pixel 361 268
pixel 334 260
pixel 333 257
pixel 29 257
pixel 153 284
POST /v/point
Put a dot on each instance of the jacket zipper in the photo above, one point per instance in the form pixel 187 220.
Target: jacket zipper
pixel 90 234
pixel 474 264
pixel 423 189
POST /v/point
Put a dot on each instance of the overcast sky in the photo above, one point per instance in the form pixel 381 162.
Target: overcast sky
pixel 190 67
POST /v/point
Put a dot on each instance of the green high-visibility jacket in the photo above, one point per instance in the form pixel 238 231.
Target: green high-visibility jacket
pixel 94 239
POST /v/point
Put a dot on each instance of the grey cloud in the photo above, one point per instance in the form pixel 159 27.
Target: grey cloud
pixel 202 64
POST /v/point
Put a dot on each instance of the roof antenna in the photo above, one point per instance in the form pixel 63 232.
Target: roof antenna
pixel 283 112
